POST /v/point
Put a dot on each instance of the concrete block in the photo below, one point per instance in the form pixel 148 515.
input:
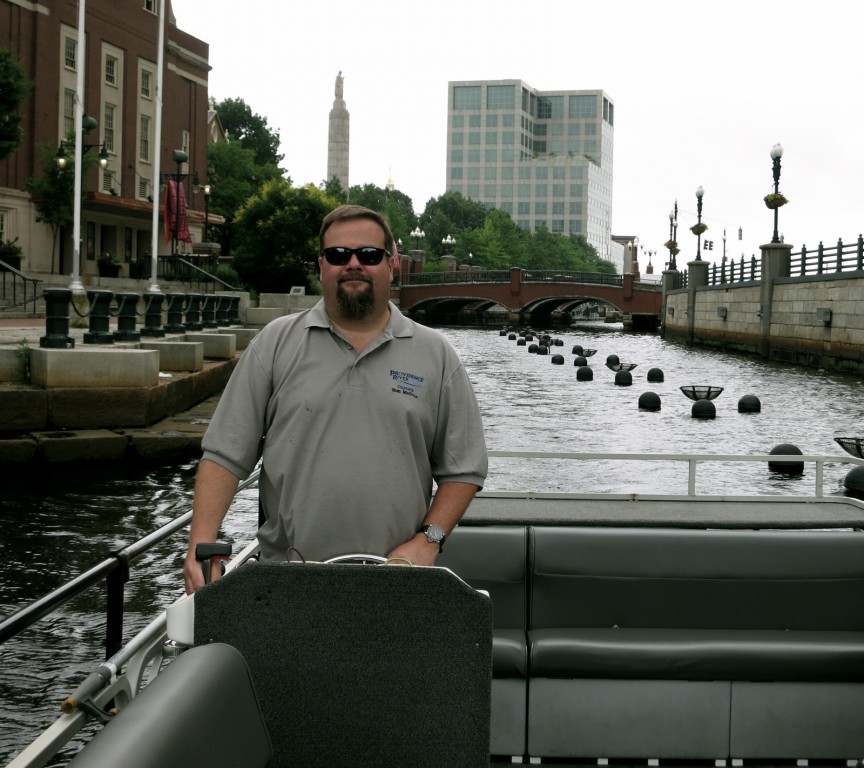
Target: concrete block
pixel 18 450
pixel 83 445
pixel 23 409
pixel 258 317
pixel 177 355
pixel 244 336
pixel 50 368
pixel 221 346
pixel 88 408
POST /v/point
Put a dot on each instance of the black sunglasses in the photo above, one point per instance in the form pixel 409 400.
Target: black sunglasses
pixel 367 256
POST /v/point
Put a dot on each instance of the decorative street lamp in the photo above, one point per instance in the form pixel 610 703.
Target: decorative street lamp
pixel 673 236
pixel 83 125
pixel 698 228
pixel 448 243
pixel 207 190
pixel 87 124
pixel 418 234
pixel 778 199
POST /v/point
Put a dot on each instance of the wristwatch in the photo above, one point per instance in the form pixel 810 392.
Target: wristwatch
pixel 434 535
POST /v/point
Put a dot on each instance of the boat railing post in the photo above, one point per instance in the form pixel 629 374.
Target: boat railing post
pixel 115 584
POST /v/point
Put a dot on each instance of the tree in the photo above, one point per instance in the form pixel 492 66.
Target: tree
pixel 53 193
pixel 251 130
pixel 234 177
pixel 450 214
pixel 333 188
pixel 14 88
pixel 276 235
pixel 394 205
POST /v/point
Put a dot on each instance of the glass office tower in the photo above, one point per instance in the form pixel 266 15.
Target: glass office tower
pixel 543 157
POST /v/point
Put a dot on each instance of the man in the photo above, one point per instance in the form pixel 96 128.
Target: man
pixel 354 410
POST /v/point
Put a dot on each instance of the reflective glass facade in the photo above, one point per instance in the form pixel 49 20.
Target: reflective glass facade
pixel 543 157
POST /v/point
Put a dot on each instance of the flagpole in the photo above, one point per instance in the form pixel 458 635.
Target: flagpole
pixel 75 283
pixel 157 152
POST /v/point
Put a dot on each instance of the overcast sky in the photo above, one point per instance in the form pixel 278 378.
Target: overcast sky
pixel 702 91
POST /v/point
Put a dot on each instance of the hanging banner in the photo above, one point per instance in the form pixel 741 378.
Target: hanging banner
pixel 176 220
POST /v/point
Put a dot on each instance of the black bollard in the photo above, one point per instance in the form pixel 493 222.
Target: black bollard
pixel 193 312
pixel 153 316
pixel 127 314
pixel 749 404
pixel 100 314
pixel 623 378
pixel 584 373
pixel 649 401
pixel 234 310
pixel 655 375
pixel 222 304
pixel 175 313
pixel 208 311
pixel 557 359
pixel 786 467
pixel 57 319
pixel 703 409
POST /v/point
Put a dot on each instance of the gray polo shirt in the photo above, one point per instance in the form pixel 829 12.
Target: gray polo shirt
pixel 350 444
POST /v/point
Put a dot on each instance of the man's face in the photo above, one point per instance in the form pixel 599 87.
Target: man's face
pixel 355 291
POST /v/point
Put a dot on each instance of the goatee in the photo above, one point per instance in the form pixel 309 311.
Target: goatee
pixel 355 306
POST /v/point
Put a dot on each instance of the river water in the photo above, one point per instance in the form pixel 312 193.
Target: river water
pixel 71 519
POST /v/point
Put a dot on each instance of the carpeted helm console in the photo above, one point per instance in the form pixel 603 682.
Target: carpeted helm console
pixel 360 664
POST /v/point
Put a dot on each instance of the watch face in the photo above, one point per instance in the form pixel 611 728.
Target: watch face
pixel 435 533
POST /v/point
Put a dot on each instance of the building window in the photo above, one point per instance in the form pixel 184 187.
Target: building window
pixel 490 173
pixel 524 208
pixel 541 190
pixel 491 155
pixel 108 137
pixel 491 137
pixel 68 113
pixel 557 225
pixel 500 97
pixel 583 106
pixel 540 209
pixel 185 141
pixel 150 5
pixel 3 236
pixel 474 137
pixel 146 84
pixel 456 173
pixel 457 156
pixel 110 70
pixel 558 190
pixel 473 155
pixel 472 191
pixel 558 209
pixel 466 97
pixel 473 121
pixel 457 139
pixel 143 188
pixel 70 54
pixel 474 173
pixel 458 121
pixel 144 139
pixel 542 172
pixel 508 156
pixel 491 121
pixel 508 137
pixel 490 191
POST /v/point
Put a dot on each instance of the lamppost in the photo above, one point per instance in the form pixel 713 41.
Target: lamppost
pixel 418 234
pixel 179 157
pixel 700 227
pixel 673 236
pixel 79 148
pixel 448 243
pixel 206 211
pixel 776 154
pixel 633 245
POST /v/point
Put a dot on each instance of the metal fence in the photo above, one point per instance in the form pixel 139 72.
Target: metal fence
pixel 503 276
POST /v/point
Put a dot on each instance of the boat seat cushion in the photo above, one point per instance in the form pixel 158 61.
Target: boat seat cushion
pixel 200 711
pixel 697 654
pixel 493 558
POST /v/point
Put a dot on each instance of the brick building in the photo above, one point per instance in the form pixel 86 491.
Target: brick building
pixel 120 61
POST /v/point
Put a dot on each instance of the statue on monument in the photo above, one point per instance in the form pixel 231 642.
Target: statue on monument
pixel 339 82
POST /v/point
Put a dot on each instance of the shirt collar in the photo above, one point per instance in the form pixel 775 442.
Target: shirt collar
pixel 398 326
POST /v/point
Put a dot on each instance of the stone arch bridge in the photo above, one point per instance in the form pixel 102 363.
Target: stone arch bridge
pixel 537 295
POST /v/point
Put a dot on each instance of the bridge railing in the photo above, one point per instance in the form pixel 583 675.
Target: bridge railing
pixel 503 276
pixel 557 276
pixel 844 257
pixel 833 260
pixel 459 276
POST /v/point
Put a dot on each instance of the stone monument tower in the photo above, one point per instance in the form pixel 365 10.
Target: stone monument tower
pixel 337 145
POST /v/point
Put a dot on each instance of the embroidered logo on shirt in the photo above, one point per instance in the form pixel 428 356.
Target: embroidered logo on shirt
pixel 406 383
